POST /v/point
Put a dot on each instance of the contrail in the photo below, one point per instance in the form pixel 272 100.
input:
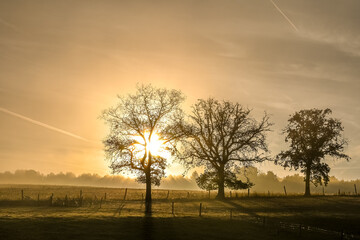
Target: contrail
pixel 42 124
pixel 284 15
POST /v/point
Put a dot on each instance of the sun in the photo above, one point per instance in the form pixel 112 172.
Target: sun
pixel 154 145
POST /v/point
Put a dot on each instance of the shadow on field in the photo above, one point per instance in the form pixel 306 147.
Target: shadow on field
pixel 134 228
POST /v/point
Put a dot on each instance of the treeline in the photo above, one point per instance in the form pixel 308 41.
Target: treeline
pixel 263 182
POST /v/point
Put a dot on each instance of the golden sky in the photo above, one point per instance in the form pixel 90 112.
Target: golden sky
pixel 63 62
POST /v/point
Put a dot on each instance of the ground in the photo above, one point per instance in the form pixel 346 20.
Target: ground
pixel 254 217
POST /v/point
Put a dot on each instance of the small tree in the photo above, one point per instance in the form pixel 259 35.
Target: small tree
pixel 312 135
pixel 142 126
pixel 221 136
pixel 210 181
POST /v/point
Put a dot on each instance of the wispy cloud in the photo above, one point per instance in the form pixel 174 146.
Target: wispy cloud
pixel 42 124
pixel 284 15
pixel 8 25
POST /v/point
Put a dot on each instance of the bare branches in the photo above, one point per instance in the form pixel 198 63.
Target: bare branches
pixel 149 110
pixel 221 135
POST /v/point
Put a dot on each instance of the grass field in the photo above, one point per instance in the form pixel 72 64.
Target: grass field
pixel 254 217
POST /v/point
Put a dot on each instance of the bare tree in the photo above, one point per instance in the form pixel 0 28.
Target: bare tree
pixel 312 135
pixel 142 127
pixel 221 136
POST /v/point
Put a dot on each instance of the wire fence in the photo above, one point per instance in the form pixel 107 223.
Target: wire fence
pixel 188 204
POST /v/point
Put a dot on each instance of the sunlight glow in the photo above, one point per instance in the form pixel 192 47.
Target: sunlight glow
pixel 154 145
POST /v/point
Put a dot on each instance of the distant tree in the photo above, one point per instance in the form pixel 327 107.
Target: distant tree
pixel 141 126
pixel 210 181
pixel 312 135
pixel 221 136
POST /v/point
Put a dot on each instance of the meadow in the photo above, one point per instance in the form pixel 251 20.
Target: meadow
pixel 28 212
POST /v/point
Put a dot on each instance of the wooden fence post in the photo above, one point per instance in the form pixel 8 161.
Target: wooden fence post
pixel 172 209
pixel 355 189
pixel 188 195
pixel 22 194
pixel 200 210
pixel 168 193
pixel 51 199
pixel 105 197
pixel 264 222
pixel 342 234
pixel 285 190
pixel 230 195
pixel 125 194
pixel 339 192
pixel 100 202
pixel 38 199
pixel 209 194
pixel 248 192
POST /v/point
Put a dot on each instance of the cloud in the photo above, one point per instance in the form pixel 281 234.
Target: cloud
pixel 9 25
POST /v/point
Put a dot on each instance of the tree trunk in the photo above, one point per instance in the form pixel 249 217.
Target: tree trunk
pixel 221 189
pixel 307 182
pixel 148 193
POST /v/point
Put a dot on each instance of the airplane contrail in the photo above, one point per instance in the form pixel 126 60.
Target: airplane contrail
pixel 42 124
pixel 284 15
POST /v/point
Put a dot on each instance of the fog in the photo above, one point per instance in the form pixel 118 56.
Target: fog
pixel 264 182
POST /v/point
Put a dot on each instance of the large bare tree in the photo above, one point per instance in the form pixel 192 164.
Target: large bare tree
pixel 222 136
pixel 312 136
pixel 142 126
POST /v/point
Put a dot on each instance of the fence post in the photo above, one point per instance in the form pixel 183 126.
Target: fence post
pixel 264 222
pixel 100 202
pixel 51 199
pixel 209 194
pixel 22 194
pixel 168 193
pixel 105 197
pixel 355 189
pixel 248 192
pixel 38 199
pixel 342 234
pixel 200 210
pixel 285 190
pixel 188 195
pixel 125 194
pixel 230 195
pixel 172 209
pixel 339 192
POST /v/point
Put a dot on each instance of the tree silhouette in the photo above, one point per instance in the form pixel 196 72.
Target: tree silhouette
pixel 312 135
pixel 221 136
pixel 142 126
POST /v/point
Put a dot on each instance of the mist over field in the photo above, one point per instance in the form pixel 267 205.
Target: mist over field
pixel 264 182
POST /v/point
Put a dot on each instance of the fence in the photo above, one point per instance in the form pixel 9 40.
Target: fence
pixel 186 205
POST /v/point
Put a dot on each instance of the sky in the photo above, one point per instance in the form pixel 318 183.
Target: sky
pixel 63 62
